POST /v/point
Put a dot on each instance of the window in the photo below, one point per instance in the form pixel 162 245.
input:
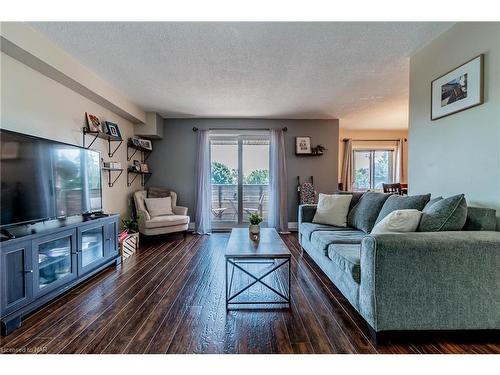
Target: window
pixel 372 168
pixel 240 177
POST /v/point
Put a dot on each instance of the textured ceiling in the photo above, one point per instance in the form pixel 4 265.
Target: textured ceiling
pixel 357 72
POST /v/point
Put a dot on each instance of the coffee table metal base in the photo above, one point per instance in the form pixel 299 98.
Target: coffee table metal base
pixel 274 264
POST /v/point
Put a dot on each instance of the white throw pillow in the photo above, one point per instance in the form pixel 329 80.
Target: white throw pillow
pixel 159 206
pixel 332 209
pixel 399 221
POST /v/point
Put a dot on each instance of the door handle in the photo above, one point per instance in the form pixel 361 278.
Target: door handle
pixel 28 271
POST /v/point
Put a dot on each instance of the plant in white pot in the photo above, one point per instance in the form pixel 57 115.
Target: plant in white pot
pixel 254 228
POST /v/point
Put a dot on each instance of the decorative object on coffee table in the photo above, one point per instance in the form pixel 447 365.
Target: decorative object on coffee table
pixel 266 262
pixel 254 228
pixel 459 89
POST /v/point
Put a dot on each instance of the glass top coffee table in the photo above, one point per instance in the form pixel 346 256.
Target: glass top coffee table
pixel 264 263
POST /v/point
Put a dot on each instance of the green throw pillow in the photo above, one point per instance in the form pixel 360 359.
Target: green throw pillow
pixel 403 202
pixel 444 215
pixel 364 214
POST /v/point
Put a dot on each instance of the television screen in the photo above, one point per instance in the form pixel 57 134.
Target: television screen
pixel 43 179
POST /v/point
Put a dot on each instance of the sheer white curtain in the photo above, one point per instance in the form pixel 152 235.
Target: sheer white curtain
pixel 278 209
pixel 203 198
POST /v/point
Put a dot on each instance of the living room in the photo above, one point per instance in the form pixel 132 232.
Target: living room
pixel 250 187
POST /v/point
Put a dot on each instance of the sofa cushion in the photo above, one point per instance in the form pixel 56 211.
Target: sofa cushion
pixel 364 214
pixel 445 215
pixel 400 202
pixel 479 218
pixel 332 209
pixel 347 258
pixel 166 221
pixel 322 239
pixel 306 229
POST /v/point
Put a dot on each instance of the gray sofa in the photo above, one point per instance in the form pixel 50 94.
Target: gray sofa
pixel 412 281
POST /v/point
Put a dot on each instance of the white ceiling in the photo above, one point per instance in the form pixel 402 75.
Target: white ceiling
pixel 357 72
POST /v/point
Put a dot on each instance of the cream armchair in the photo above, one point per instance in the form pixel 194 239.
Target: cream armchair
pixel 178 222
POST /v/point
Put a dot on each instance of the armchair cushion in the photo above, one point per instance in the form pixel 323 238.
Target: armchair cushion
pixel 179 210
pixel 159 206
pixel 166 221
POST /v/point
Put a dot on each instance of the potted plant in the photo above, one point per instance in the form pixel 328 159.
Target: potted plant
pixel 131 225
pixel 254 228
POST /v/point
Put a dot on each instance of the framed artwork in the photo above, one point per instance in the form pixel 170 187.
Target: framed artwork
pixel 136 141
pixel 146 143
pixel 303 145
pixel 112 129
pixel 93 123
pixel 137 166
pixel 144 168
pixel 459 89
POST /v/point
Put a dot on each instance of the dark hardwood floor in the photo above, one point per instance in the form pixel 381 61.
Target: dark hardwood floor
pixel 170 298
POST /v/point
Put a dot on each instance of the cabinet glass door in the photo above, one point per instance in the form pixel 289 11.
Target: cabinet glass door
pixel 54 261
pixel 92 242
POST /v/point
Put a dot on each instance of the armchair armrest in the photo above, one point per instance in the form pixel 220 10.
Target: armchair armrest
pixel 432 280
pixel 306 213
pixel 180 210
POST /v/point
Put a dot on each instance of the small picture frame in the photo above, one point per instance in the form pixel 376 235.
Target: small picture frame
pixel 303 145
pixel 93 123
pixel 146 143
pixel 460 89
pixel 144 168
pixel 136 141
pixel 137 166
pixel 112 129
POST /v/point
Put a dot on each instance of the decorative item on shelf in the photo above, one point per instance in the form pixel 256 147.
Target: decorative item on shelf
pixel 111 165
pixel 459 89
pixel 144 168
pixel 302 145
pixel 146 143
pixel 254 228
pixel 135 141
pixel 136 167
pixel 318 150
pixel 93 123
pixel 112 129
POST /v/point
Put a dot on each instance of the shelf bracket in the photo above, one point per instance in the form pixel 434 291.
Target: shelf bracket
pixel 129 157
pixel 111 184
pixel 111 154
pixel 91 143
pixel 129 183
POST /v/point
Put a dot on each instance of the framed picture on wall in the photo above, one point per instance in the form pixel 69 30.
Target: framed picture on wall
pixel 93 123
pixel 112 129
pixel 303 145
pixel 459 89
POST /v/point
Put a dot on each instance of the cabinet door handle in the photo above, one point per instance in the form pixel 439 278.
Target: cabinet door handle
pixel 28 271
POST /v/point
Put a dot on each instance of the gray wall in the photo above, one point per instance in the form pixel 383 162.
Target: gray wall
pixel 459 153
pixel 173 158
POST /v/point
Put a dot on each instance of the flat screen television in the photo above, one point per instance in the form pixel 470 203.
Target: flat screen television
pixel 43 179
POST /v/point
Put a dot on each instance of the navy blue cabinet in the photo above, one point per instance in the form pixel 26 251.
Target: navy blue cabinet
pixel 40 265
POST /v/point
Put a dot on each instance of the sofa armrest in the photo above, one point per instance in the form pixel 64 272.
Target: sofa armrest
pixel 434 280
pixel 180 210
pixel 306 213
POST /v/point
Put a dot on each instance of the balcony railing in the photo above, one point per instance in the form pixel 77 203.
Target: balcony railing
pixel 225 201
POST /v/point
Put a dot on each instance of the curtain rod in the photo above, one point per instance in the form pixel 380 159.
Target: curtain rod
pixel 374 140
pixel 195 129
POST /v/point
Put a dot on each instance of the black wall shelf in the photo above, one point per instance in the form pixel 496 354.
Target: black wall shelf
pixel 144 152
pixel 309 154
pixel 108 137
pixel 145 176
pixel 111 182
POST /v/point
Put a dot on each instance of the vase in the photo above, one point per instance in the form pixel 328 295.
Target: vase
pixel 254 232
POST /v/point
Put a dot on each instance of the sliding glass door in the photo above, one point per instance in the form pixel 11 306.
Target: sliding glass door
pixel 372 169
pixel 240 177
